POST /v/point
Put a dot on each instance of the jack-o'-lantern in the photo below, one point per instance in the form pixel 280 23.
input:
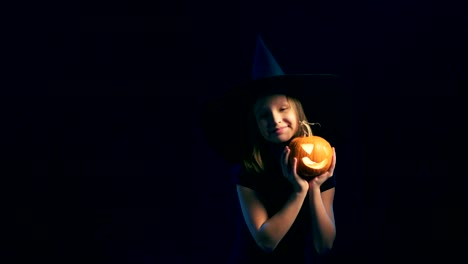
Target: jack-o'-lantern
pixel 314 154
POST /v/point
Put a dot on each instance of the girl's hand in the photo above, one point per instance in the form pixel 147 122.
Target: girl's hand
pixel 318 180
pixel 289 171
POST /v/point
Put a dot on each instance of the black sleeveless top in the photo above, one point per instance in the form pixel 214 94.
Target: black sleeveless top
pixel 274 189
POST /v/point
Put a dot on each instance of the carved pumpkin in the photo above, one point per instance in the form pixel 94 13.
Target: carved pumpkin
pixel 314 155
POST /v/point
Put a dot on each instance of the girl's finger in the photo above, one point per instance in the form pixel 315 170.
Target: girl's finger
pixel 284 157
pixel 332 167
pixel 286 154
pixel 334 156
pixel 294 165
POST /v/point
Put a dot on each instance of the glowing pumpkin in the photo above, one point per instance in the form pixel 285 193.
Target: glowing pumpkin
pixel 314 155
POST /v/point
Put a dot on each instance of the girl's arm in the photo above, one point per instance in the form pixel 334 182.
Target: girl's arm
pixel 321 208
pixel 323 219
pixel 266 231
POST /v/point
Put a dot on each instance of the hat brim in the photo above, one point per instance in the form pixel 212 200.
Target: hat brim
pixel 324 98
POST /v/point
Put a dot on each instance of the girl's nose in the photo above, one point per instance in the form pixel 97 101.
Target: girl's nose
pixel 276 118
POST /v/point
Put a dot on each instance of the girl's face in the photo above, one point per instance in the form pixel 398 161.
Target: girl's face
pixel 276 118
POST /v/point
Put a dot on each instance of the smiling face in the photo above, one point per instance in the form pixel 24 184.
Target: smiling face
pixel 276 118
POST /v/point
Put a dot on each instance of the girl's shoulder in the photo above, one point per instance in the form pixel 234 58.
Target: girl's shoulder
pixel 240 175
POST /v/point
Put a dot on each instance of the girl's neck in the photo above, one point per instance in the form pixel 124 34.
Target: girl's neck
pixel 275 150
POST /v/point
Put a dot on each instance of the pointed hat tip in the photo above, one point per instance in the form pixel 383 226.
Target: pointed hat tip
pixel 264 64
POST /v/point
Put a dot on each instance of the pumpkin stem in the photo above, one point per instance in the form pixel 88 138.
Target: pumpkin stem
pixel 308 131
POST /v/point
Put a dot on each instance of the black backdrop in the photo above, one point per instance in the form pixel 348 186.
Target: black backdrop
pixel 103 159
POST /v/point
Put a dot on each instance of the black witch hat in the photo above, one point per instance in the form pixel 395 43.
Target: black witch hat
pixel 225 120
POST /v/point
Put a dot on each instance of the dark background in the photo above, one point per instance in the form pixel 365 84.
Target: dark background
pixel 103 159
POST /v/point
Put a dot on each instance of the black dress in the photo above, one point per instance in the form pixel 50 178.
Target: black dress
pixel 274 190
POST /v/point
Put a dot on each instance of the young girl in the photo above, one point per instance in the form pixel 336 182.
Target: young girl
pixel 288 218
pixel 283 217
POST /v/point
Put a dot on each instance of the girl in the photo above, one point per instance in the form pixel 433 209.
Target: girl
pixel 289 219
pixel 283 217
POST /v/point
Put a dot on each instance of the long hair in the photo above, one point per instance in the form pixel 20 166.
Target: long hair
pixel 253 159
